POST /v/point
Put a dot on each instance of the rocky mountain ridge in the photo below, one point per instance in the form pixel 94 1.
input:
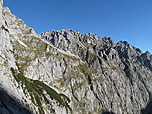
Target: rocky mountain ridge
pixel 66 71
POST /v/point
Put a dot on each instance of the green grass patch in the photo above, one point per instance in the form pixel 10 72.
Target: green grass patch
pixel 36 90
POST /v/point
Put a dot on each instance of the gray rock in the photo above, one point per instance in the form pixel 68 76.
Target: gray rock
pixel 45 72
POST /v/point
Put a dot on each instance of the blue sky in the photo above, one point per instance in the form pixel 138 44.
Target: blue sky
pixel 129 20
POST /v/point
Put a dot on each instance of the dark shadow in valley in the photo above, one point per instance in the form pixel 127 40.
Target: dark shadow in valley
pixel 147 109
pixel 8 105
pixel 107 112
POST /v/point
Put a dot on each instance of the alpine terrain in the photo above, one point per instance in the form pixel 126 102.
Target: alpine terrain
pixel 67 72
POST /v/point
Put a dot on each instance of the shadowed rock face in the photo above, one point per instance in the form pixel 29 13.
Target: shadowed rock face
pixel 147 109
pixel 68 72
pixel 9 105
pixel 146 59
pixel 107 112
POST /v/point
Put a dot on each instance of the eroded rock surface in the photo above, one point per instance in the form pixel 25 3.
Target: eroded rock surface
pixel 68 72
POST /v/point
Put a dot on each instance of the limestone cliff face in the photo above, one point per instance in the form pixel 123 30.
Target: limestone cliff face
pixel 113 77
pixel 20 94
pixel 66 71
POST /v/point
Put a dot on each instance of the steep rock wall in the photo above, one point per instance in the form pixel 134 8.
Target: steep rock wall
pixel 47 71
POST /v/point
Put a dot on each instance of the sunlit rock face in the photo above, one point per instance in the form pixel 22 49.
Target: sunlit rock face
pixel 1 19
pixel 67 72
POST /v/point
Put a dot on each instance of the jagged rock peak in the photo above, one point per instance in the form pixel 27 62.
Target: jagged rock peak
pixel 71 34
pixel 67 72
pixel 7 10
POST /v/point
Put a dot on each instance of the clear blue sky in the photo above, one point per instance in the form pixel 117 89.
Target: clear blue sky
pixel 129 20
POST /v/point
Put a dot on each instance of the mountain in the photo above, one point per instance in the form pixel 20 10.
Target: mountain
pixel 67 72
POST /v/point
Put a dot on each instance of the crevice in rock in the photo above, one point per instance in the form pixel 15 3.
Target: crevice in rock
pixel 73 91
pixel 87 56
pixel 53 41
pixel 105 57
pixel 127 71
pixel 107 112
pixel 3 27
pixel 91 88
pixel 100 61
pixel 66 66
